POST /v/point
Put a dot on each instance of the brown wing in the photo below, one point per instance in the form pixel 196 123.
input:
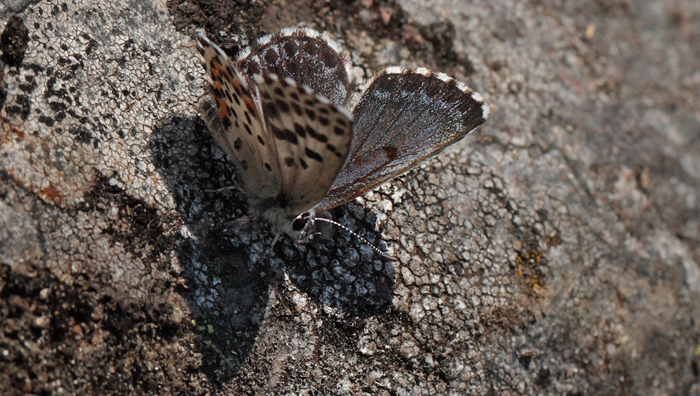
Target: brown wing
pixel 403 118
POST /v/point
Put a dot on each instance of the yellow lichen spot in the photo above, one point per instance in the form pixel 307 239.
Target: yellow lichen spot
pixel 554 240
pixel 590 31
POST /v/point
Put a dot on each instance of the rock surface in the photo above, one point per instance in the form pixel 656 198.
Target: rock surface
pixel 555 251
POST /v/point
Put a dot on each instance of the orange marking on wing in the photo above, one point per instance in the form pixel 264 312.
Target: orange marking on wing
pixel 250 105
pixel 223 109
pixel 220 71
pixel 228 76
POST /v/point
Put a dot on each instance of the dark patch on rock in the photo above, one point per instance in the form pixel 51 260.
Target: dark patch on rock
pixel 54 329
pixel 13 42
pixel 13 45
pixel 441 36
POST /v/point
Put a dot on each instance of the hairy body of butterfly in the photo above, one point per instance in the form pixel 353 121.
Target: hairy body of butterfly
pixel 278 111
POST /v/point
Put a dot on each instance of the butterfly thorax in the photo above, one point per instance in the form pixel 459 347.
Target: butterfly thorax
pixel 280 219
pixel 278 212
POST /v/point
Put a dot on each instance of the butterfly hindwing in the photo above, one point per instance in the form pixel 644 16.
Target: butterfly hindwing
pixel 403 118
pixel 311 136
pixel 305 56
pixel 238 126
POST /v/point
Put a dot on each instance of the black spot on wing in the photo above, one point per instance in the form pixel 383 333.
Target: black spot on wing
pixel 311 114
pixel 299 130
pixel 226 122
pixel 285 134
pixel 391 152
pixel 249 104
pixel 253 69
pixel 271 110
pixel 282 106
pixel 240 92
pixel 318 136
pixel 313 155
pixel 271 56
pixel 290 47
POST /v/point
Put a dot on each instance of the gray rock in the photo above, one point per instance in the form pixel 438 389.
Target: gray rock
pixel 555 251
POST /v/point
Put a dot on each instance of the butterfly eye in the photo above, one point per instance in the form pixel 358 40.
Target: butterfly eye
pixel 299 223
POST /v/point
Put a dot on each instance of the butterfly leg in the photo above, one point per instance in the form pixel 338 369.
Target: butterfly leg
pixel 240 220
pixel 222 189
pixel 274 241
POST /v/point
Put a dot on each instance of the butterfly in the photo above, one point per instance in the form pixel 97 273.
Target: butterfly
pixel 279 111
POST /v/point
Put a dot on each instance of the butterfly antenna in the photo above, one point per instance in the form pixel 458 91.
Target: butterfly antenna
pixel 358 236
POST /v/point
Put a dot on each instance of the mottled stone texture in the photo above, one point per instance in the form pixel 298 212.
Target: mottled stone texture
pixel 556 251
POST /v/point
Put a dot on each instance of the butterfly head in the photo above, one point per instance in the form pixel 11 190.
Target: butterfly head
pixel 300 222
pixel 297 226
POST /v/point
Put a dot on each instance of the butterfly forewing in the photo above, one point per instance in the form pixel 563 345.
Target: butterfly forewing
pixel 238 126
pixel 305 56
pixel 311 136
pixel 403 118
